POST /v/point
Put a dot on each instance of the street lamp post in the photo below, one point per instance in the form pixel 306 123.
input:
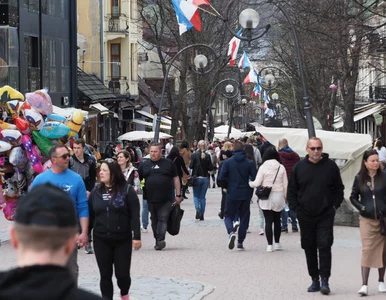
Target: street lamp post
pixel 201 64
pixel 250 22
pixel 231 91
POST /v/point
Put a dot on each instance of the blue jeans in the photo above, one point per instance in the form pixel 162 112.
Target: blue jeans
pixel 284 219
pixel 199 192
pixel 242 209
pixel 145 214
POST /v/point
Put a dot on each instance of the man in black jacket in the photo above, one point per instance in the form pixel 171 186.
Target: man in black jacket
pixel 44 235
pixel 315 191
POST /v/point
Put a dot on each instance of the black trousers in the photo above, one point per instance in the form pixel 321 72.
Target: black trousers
pixel 317 235
pixel 272 218
pixel 117 253
pixel 159 215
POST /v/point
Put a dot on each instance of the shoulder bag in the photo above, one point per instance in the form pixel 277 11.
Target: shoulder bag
pixel 382 221
pixel 263 192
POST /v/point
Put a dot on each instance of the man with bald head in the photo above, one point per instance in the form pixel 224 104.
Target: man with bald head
pixel 288 158
pixel 315 191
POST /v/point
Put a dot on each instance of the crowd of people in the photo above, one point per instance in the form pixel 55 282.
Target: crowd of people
pixel 302 192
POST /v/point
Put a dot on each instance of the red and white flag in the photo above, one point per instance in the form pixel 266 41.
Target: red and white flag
pixel 234 45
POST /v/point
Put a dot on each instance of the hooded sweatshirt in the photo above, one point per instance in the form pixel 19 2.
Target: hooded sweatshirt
pixel 238 170
pixel 315 188
pixel 41 282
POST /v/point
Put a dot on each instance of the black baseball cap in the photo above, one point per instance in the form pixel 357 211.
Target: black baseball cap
pixel 46 205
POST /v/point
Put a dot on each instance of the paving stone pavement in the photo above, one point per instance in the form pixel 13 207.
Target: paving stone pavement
pixel 196 264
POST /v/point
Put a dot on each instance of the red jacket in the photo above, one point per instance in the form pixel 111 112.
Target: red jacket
pixel 288 159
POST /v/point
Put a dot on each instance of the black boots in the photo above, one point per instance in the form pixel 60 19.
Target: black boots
pixel 183 191
pixel 315 286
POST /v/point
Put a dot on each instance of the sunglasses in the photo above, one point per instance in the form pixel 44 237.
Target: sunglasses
pixel 315 148
pixel 64 156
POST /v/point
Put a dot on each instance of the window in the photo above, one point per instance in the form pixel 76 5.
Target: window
pixel 31 5
pixel 31 57
pixel 65 66
pixel 48 7
pixel 115 61
pixel 115 8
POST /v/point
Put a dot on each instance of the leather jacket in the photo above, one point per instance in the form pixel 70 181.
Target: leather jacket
pixel 368 206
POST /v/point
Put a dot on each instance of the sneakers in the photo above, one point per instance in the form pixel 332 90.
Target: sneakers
pixel 126 297
pixel 325 288
pixel 261 232
pixel 231 243
pixel 88 249
pixel 315 286
pixel 240 247
pixel 284 230
pixel 277 247
pixel 159 245
pixel 236 226
pixel 269 248
pixel 363 291
pixel 144 230
pixel 295 229
pixel 381 287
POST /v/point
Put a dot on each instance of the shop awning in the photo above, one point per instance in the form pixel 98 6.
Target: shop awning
pixel 149 115
pixel 92 89
pixel 103 110
pixel 361 113
pixel 142 122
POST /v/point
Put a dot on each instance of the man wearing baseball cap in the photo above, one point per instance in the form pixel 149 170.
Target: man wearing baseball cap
pixel 44 235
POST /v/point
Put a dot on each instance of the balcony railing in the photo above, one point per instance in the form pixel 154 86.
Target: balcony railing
pixel 118 85
pixel 117 23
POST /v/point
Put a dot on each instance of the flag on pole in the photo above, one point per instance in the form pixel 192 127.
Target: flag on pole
pixel 234 45
pixel 256 90
pixel 187 15
pixel 251 77
pixel 244 61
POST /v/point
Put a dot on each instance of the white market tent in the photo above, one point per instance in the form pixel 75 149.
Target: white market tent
pixel 339 146
pixel 224 129
pixel 141 136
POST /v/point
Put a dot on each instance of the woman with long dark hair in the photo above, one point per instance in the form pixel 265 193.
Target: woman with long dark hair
pixel 178 161
pixel 128 169
pixel 114 215
pixel 368 196
pixel 200 164
pixel 272 174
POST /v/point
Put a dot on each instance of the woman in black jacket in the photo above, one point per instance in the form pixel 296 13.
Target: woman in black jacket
pixel 200 163
pixel 114 215
pixel 178 161
pixel 370 186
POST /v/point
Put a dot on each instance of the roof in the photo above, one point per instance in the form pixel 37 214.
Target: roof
pixel 91 87
pixel 360 113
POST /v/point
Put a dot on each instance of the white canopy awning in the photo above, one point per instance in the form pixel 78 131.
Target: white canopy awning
pixel 149 115
pixel 142 122
pixel 102 109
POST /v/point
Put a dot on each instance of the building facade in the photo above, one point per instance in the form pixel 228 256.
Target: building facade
pixel 38 47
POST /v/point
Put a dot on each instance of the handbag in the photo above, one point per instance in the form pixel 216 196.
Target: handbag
pixel 174 221
pixel 263 192
pixel 192 181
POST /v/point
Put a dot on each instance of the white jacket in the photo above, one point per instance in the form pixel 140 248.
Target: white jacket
pixel 265 177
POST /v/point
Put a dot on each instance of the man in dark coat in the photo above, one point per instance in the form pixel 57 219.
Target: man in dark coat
pixel 238 170
pixel 315 192
pixel 288 159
